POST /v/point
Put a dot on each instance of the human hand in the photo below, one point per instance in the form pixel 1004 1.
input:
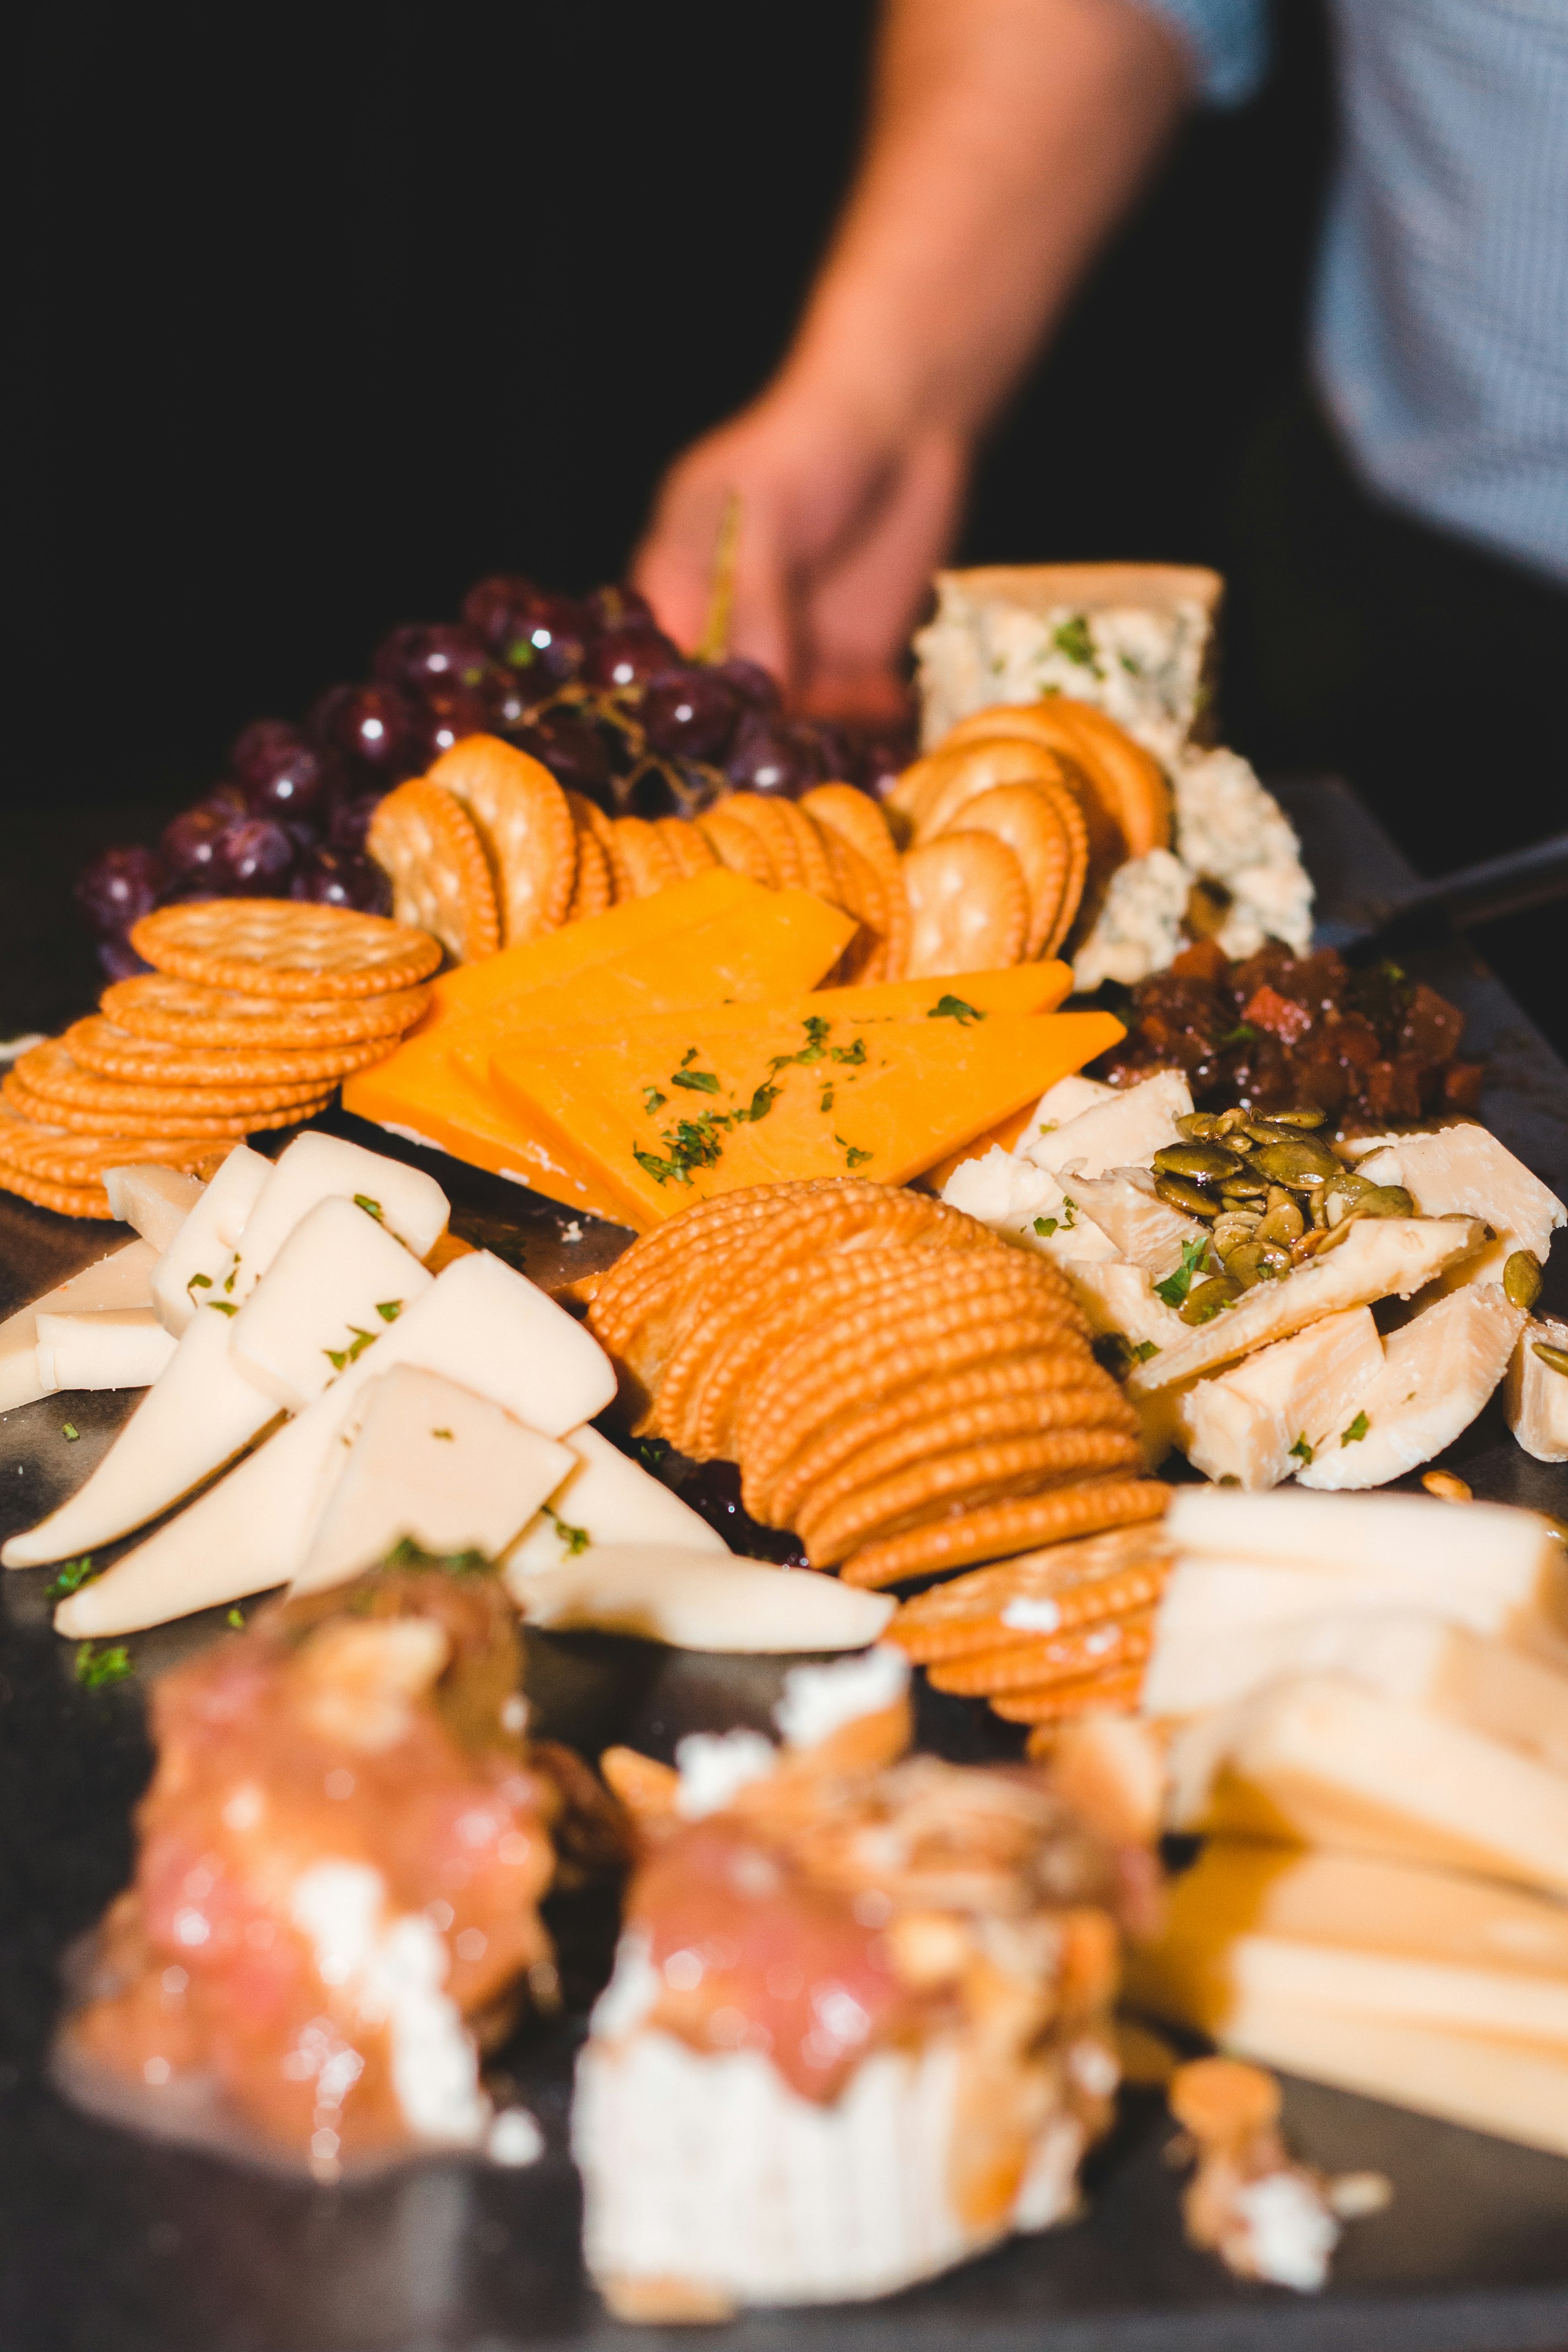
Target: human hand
pixel 841 520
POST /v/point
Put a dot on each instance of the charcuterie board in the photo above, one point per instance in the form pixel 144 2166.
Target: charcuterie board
pixel 113 2243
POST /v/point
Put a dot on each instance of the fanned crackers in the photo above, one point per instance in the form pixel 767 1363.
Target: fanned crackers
pixel 429 847
pixel 969 907
pixel 525 826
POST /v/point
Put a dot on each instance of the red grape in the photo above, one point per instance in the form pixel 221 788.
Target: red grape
pixel 627 657
pixel 619 607
pixel 118 960
pixel 539 635
pixel 690 714
pixel 226 800
pixel 259 856
pixel 119 887
pixel 342 878
pixel 369 725
pixel 754 684
pixel 425 657
pixel 879 760
pixel 768 755
pixel 189 844
pixel 574 752
pixel 350 821
pixel 447 715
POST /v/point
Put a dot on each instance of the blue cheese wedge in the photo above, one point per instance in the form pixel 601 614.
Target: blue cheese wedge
pixel 436 1463
pixel 1139 928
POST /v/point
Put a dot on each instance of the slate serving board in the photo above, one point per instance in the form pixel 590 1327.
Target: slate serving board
pixel 110 2244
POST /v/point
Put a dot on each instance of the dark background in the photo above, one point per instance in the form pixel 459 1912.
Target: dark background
pixel 325 315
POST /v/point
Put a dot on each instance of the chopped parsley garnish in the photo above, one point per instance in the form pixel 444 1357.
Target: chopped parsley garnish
pixel 1115 1352
pixel 389 1309
pixel 699 1082
pixel 954 1008
pixel 72 1574
pixel 69 1432
pixel 576 1539
pixel 406 1553
pixel 1175 1286
pixel 223 1307
pixel 1045 1226
pixel 339 1357
pixel 1144 1350
pixel 1242 1034
pixel 853 1054
pixel 827 1102
pixel 372 1208
pixel 200 1282
pixel 1301 1451
pixel 1356 1432
pixel 95 1667
pixel 653 1101
pixel 445 1433
pixel 1073 639
pixel 762 1103
pixel 237 1619
pixel 853 1155
pixel 228 1281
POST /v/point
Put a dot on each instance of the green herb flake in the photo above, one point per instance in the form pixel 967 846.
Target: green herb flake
pixel 223 1307
pixel 1175 1286
pixel 339 1357
pixel 1356 1432
pixel 1301 1451
pixel 200 1282
pixel 1242 1034
pixel 406 1553
pixel 445 1433
pixel 1071 1218
pixel 854 1055
pixel 1046 1227
pixel 234 1269
pixel 698 1082
pixel 954 1008
pixel 762 1103
pixel 663 1172
pixel 827 1102
pixel 69 1432
pixel 653 1101
pixel 1144 1350
pixel 576 1539
pixel 95 1667
pixel 1073 639
pixel 372 1208
pixel 853 1155
pixel 236 1619
pixel 689 1057
pixel 70 1576
pixel 389 1309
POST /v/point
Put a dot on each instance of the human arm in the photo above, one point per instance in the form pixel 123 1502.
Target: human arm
pixel 1006 138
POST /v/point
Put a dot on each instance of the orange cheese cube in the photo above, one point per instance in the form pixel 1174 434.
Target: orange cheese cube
pixel 667 1111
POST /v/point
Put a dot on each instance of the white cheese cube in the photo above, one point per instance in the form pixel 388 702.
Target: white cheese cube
pixel 123 1278
pixel 1438 1371
pixel 336 1286
pixel 116 1348
pixel 1255 1424
pixel 1465 1169
pixel 200 1253
pixel 1536 1397
pixel 695 1599
pixel 153 1200
pixel 606 1498
pixel 317 1167
pixel 1123 1133
pixel 435 1463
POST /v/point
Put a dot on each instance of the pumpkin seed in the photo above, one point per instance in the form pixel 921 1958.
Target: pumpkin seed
pixel 1234 1227
pixel 1522 1279
pixel 1244 1188
pixel 1201 1126
pixel 1177 1193
pixel 1384 1200
pixel 1206 1300
pixel 1284 1222
pixel 1204 1163
pixel 1230 1120
pixel 1302 1160
pixel 1248 1264
pixel 1270 1131
pixel 1308 1116
pixel 1554 1359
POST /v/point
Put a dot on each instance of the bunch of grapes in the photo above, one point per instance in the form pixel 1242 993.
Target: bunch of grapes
pixel 590 686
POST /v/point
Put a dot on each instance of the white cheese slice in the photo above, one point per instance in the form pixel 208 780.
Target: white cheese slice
pixel 198 1414
pixel 1465 1169
pixel 337 1285
pixel 1438 1371
pixel 608 1498
pixel 1064 1101
pixel 123 1278
pixel 1490 1548
pixel 693 1599
pixel 1380 1257
pixel 1025 1205
pixel 115 1348
pixel 1328 1763
pixel 1263 1418
pixel 155 1202
pixel 435 1463
pixel 1536 1397
pixel 1125 1204
pixel 317 1167
pixel 1118 1296
pixel 200 1253
pixel 1419 1661
pixel 479 1324
pixel 1123 1133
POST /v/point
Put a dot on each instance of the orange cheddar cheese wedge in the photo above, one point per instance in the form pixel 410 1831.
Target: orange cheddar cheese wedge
pixel 667 1111
pixel 578 947
pixel 435 1089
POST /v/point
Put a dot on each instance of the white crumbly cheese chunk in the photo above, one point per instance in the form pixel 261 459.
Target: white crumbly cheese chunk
pixel 1536 1396
pixel 1290 2231
pixel 392 1970
pixel 1264 1418
pixel 1123 1130
pixel 1143 667
pixel 1437 1373
pixel 1228 828
pixel 711 2170
pixel 819 1700
pixel 1025 1205
pixel 1464 1169
pixel 1125 1205
pixel 1139 929
pixel 715 1764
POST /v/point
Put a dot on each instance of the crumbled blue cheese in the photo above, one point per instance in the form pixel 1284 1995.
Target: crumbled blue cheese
pixel 1140 926
pixel 1228 828
pixel 819 1700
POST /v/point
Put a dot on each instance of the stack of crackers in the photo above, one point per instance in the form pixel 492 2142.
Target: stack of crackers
pixel 255 1009
pixel 489 851
pixel 905 1392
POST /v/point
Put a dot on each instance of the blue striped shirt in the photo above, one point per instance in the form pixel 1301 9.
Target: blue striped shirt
pixel 1440 323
